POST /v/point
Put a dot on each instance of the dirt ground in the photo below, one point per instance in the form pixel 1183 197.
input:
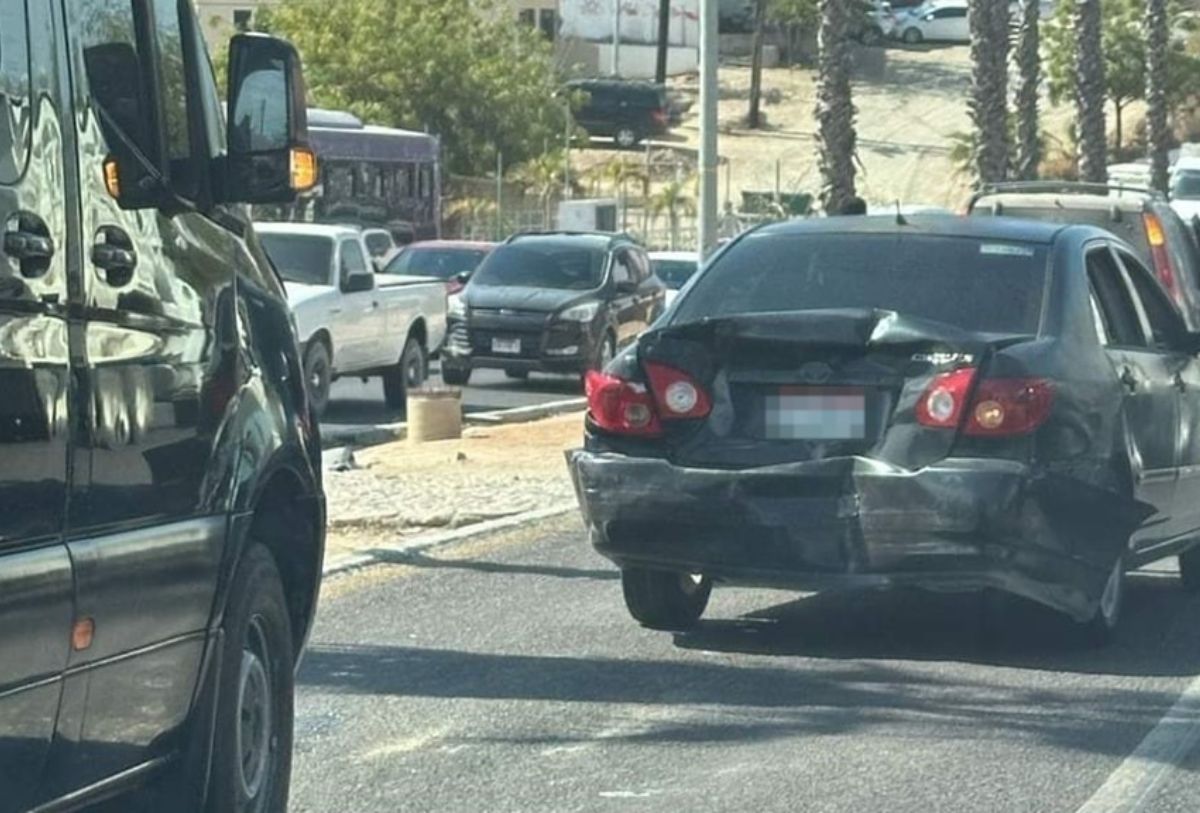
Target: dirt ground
pixel 911 102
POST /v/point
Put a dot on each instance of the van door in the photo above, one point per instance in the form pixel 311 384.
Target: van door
pixel 35 570
pixel 158 335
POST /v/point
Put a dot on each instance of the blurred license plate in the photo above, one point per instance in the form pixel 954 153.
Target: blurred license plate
pixel 506 346
pixel 816 414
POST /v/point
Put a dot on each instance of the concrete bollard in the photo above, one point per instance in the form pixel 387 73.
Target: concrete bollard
pixel 434 414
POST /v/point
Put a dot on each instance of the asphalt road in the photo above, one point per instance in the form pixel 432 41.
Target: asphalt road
pixel 504 675
pixel 355 403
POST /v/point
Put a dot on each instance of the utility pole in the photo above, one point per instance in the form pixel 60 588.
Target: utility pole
pixel 616 60
pixel 709 59
pixel 664 40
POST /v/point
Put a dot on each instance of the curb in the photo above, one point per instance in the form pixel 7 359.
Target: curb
pixel 361 436
pixel 355 561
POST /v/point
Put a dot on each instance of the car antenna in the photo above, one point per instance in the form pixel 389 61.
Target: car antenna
pixel 901 220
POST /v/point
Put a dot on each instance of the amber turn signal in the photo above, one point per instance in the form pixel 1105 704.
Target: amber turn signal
pixel 112 178
pixel 304 169
pixel 83 634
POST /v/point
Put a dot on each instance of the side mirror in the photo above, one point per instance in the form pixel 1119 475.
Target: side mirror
pixel 269 158
pixel 357 283
pixel 627 286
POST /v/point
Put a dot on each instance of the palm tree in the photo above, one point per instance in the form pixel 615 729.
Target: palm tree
pixel 989 88
pixel 836 137
pixel 1029 77
pixel 617 174
pixel 543 175
pixel 1158 38
pixel 674 199
pixel 1089 92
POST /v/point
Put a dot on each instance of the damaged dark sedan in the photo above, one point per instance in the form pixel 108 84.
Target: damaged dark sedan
pixel 945 403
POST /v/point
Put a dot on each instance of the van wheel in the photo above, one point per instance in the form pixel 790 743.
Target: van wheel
pixel 626 138
pixel 913 36
pixel 455 376
pixel 1189 569
pixel 252 743
pixel 406 376
pixel 1100 630
pixel 318 376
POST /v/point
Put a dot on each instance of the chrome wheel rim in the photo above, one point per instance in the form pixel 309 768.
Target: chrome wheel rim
pixel 626 138
pixel 254 715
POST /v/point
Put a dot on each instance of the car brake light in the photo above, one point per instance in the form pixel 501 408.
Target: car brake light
pixel 660 116
pixel 621 407
pixel 1000 407
pixel 941 405
pixel 1157 238
pixel 678 395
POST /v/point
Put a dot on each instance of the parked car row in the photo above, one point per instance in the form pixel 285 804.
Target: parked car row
pixel 1003 403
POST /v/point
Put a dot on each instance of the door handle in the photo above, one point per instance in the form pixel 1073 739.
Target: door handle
pixel 1129 379
pixel 114 255
pixel 27 240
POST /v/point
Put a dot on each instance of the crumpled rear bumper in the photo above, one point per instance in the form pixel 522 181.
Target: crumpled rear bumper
pixel 856 522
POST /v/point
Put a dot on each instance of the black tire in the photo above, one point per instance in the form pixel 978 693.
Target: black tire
pixel 661 600
pixel 913 36
pixel 409 374
pixel 318 376
pixel 255 694
pixel 627 138
pixel 517 375
pixel 455 376
pixel 1189 569
pixel 1102 627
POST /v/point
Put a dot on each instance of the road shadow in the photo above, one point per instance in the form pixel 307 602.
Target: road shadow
pixel 904 79
pixel 544 384
pixel 755 700
pixel 1156 637
pixel 424 561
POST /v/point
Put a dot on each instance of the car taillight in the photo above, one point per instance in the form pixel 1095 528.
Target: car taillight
pixel 453 287
pixel 621 407
pixel 999 407
pixel 678 395
pixel 1157 238
pixel 660 116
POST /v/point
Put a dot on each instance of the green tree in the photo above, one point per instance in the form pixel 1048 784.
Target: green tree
pixel 674 200
pixel 1158 133
pixel 544 174
pixel 1029 78
pixel 465 70
pixel 989 88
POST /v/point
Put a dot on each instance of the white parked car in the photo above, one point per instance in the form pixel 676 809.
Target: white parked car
pixel 1185 188
pixel 936 21
pixel 350 321
pixel 674 269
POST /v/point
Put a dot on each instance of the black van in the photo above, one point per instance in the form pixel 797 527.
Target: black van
pixel 161 508
pixel 626 112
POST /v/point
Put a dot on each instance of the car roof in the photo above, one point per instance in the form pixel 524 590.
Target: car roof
pixel 1126 201
pixel 595 239
pixel 980 228
pixel 467 244
pixel 1188 162
pixel 312 229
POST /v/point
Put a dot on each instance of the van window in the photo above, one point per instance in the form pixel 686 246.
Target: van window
pixel 114 74
pixel 1123 326
pixel 14 90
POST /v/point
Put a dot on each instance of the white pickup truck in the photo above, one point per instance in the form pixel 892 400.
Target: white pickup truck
pixel 350 321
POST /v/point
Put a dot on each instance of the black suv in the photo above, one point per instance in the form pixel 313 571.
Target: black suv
pixel 1141 217
pixel 161 509
pixel 626 112
pixel 556 302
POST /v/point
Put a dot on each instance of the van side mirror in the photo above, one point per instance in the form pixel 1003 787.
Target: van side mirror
pixel 269 158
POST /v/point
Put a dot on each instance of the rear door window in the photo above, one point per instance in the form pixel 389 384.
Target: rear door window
pixel 991 286
pixel 14 90
pixel 1118 311
pixel 1161 316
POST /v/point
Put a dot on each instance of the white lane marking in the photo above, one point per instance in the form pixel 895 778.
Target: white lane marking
pixel 406 745
pixel 1129 787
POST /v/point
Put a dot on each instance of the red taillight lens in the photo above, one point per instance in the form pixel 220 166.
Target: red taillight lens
pixel 678 395
pixel 942 404
pixel 621 407
pixel 999 407
pixel 1010 406
pixel 660 116
pixel 1157 238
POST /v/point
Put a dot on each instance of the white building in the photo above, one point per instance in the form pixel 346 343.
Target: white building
pixel 593 22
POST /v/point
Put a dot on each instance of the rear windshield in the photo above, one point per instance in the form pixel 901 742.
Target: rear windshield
pixel 378 243
pixel 302 258
pixel 543 265
pixel 442 263
pixel 1186 186
pixel 674 273
pixel 991 286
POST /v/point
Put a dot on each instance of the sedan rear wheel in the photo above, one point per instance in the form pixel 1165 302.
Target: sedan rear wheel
pixel 663 600
pixel 318 375
pixel 913 36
